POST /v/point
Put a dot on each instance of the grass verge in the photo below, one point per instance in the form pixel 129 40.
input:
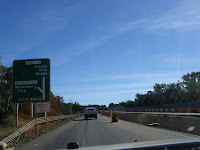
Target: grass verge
pixel 29 135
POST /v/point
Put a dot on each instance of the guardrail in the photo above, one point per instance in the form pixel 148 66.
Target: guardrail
pixel 188 110
pixel 181 110
pixel 35 122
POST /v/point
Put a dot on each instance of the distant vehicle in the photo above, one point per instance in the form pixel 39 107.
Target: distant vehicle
pixel 90 112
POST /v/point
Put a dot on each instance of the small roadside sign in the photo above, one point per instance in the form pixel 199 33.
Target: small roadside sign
pixel 31 80
pixel 42 107
pixel 114 118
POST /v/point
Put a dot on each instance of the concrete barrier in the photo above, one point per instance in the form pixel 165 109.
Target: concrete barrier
pixel 171 122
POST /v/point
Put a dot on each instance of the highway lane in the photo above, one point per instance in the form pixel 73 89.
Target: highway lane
pixel 94 132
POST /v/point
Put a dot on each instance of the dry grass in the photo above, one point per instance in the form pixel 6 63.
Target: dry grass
pixel 6 130
pixel 23 122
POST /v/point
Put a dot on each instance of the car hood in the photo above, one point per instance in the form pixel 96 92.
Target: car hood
pixel 148 145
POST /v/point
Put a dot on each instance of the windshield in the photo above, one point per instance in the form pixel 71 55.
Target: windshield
pixel 98 72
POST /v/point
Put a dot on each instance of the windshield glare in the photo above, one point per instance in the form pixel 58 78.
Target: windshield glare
pixel 99 73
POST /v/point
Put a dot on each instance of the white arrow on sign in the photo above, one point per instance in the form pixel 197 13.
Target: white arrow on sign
pixel 43 88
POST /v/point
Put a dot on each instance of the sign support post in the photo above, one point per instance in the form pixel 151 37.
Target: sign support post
pixel 31 83
pixel 46 118
pixel 35 127
pixel 17 113
pixel 31 110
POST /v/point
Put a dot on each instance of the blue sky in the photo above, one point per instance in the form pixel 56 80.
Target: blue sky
pixel 103 51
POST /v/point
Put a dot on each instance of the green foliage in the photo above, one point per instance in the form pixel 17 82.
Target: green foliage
pixel 58 106
pixel 186 91
pixel 65 109
pixel 192 86
pixel 10 121
pixel 102 107
pixel 77 108
pixel 6 106
pixel 111 105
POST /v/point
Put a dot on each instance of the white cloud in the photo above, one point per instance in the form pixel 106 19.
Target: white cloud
pixel 119 86
pixel 147 82
pixel 129 26
pixel 68 53
pixel 38 27
pixel 109 93
pixel 57 17
pixel 50 18
pixel 135 76
pixel 186 15
pixel 179 60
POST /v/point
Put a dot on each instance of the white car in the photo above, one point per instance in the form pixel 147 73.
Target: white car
pixel 90 112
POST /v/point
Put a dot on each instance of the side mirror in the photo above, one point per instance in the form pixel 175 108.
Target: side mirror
pixel 72 145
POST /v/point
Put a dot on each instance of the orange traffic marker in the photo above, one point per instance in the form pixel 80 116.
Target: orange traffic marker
pixel 110 115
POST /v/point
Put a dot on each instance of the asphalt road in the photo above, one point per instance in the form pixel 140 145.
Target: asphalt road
pixel 94 132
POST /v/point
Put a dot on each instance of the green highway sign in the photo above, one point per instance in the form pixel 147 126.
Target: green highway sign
pixel 31 80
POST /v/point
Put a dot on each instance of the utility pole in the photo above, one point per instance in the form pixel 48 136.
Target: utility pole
pixel 71 106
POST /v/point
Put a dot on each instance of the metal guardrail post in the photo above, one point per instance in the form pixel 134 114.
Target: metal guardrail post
pixel 52 120
pixel 35 127
pixel 59 120
pixel 46 124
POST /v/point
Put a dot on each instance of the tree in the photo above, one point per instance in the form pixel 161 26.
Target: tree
pixel 186 91
pixel 111 105
pixel 130 104
pixel 124 104
pixel 103 107
pixel 191 84
pixel 76 107
pixel 6 106
pixel 65 109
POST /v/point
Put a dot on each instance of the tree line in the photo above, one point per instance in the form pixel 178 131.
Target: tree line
pixel 187 90
pixel 7 108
